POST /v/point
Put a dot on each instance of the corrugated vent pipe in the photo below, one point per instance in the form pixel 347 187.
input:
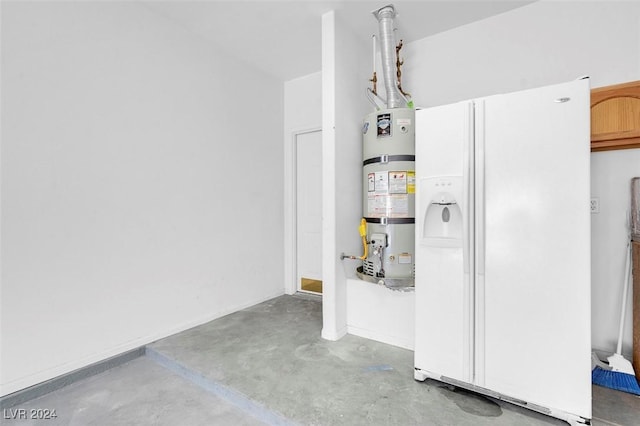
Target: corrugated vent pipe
pixel 385 18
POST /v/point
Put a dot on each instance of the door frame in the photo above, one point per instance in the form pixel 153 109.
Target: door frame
pixel 291 285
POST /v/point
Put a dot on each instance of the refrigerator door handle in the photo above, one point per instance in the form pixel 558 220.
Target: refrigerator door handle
pixel 479 243
pixel 468 242
pixel 479 189
pixel 467 192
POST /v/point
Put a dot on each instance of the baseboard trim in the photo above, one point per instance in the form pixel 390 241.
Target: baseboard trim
pixel 59 382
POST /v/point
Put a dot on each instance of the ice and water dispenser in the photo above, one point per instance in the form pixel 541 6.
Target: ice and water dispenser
pixel 441 211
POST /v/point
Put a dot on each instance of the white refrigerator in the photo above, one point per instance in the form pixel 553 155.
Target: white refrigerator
pixel 503 290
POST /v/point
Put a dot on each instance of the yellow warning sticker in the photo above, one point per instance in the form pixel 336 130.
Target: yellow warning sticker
pixel 411 182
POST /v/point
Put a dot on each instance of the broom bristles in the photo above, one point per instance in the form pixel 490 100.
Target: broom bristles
pixel 615 380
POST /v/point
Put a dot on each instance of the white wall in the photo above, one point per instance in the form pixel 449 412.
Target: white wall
pixel 542 43
pixel 539 44
pixel 302 112
pixel 141 184
pixel 345 71
pixel 303 103
pixel 611 173
pixel 379 313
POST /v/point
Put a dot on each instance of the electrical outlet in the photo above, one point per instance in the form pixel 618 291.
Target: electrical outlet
pixel 595 205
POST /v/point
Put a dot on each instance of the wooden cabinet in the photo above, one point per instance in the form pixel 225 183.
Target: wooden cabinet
pixel 615 117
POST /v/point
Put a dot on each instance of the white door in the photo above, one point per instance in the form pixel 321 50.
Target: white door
pixel 534 246
pixel 308 148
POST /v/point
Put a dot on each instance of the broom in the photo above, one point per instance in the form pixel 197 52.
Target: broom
pixel 620 376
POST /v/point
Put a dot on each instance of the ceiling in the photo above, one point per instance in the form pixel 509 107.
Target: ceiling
pixel 283 38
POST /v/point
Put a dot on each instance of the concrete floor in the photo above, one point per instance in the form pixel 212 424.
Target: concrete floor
pixel 268 365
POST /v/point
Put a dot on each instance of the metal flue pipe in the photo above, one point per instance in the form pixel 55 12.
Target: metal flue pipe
pixel 385 17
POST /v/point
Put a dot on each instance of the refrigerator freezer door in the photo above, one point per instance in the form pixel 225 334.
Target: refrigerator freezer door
pixel 533 246
pixel 444 338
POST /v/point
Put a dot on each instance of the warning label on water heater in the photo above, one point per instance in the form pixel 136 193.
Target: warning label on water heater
pixel 398 182
pixel 388 193
pixel 381 185
pixel 383 124
pixel 411 182
pixel 396 205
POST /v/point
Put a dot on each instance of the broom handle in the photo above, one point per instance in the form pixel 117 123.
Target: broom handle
pixel 625 290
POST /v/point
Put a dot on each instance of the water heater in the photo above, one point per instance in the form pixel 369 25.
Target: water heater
pixel 388 202
pixel 388 172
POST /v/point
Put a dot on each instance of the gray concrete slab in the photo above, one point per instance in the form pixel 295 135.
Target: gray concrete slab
pixel 273 354
pixel 613 408
pixel 140 392
pixel 64 380
pixel 269 365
